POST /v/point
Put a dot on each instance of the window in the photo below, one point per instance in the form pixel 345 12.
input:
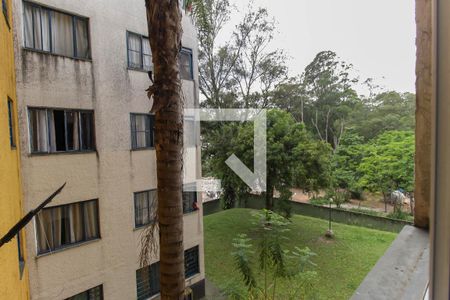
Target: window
pixel 191 265
pixel 147 278
pixel 189 198
pixel 185 61
pixel 20 255
pixel 5 11
pixel 147 281
pixel 61 130
pixel 142 131
pixel 144 206
pixel 190 132
pixel 12 136
pixel 95 293
pixel 139 53
pixel 64 225
pixel 55 32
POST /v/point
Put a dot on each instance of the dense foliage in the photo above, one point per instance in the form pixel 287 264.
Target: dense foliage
pixel 321 134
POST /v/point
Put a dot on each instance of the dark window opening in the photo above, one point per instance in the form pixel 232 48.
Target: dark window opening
pixel 12 136
pixel 191 262
pixel 56 130
pixel 5 12
pixel 20 255
pixel 186 64
pixel 147 281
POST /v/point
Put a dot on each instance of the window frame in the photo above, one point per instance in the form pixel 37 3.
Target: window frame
pixel 188 51
pixel 133 136
pixel 20 254
pixel 136 225
pixel 195 249
pixel 87 291
pixel 5 9
pixel 184 194
pixel 141 52
pixel 74 18
pixel 47 121
pixel 68 245
pixel 11 124
pixel 147 270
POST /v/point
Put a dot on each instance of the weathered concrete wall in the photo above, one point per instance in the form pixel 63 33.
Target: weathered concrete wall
pixel 424 87
pixel 111 174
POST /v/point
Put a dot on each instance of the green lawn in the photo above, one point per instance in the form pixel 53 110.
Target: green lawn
pixel 341 264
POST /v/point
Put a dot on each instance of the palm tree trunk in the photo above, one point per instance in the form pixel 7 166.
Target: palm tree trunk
pixel 164 26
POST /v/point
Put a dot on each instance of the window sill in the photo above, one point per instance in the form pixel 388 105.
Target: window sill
pixel 56 55
pixel 157 296
pixel 191 212
pixel 402 272
pixel 61 153
pixel 138 70
pixel 142 149
pixel 71 246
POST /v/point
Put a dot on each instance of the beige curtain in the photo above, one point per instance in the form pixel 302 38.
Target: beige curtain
pixel 76 223
pixel 140 131
pixel 38 120
pixel 62 34
pixel 28 26
pixel 90 219
pixel 82 38
pixel 146 54
pixel 44 231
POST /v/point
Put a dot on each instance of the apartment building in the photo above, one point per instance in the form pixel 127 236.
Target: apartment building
pixel 84 119
pixel 13 266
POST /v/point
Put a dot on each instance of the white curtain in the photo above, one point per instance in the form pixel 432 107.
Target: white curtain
pixel 45 22
pixel 141 201
pixel 140 131
pixel 90 219
pixel 44 231
pixel 62 34
pixel 37 28
pixel 134 50
pixel 146 54
pixel 38 119
pixel 81 29
pixel 28 30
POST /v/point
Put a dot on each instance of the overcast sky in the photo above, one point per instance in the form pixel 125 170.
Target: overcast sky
pixel 376 36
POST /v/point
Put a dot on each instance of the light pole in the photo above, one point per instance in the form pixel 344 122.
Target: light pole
pixel 329 233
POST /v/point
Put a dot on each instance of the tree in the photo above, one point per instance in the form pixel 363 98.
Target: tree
pixel 292 156
pixel 385 111
pixel 164 26
pixel 242 72
pixel 388 163
pixel 328 83
pixel 274 261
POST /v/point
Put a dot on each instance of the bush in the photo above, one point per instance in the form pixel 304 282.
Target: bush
pixel 400 215
pixel 339 196
pixel 319 201
pixel 358 195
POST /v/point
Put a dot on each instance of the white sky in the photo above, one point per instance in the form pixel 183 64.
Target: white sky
pixel 376 36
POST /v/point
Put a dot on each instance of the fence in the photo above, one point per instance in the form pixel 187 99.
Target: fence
pixel 307 209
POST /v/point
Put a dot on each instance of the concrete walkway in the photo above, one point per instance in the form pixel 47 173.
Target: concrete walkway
pixel 212 292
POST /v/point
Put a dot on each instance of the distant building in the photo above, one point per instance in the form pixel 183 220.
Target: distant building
pixel 84 118
pixel 13 265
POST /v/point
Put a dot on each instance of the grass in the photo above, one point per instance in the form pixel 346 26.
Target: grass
pixel 341 264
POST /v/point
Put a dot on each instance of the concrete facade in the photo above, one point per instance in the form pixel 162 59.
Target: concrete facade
pixel 110 174
pixel 13 274
pixel 424 89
